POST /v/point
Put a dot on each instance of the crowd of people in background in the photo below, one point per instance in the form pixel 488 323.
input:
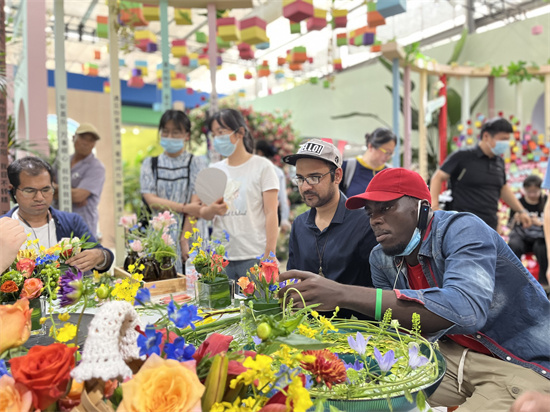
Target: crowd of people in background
pixel 373 238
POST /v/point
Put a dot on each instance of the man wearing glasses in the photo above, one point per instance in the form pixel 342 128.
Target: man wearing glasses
pixel 328 239
pixel 31 187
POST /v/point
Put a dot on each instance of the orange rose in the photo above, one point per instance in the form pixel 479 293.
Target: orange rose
pixel 269 271
pixel 32 288
pixel 9 286
pixel 162 385
pixel 45 371
pixel 14 397
pixel 26 266
pixel 15 324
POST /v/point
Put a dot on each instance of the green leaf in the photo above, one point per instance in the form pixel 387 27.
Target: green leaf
pixel 302 342
pixel 408 395
pixel 421 400
pixel 459 47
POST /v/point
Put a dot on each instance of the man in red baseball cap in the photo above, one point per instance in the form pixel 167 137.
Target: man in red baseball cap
pixel 470 290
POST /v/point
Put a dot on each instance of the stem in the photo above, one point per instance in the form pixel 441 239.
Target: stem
pixel 79 320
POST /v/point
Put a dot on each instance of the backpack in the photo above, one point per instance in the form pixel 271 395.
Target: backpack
pixel 349 171
pixel 146 209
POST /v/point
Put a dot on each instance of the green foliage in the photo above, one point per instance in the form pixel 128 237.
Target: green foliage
pixel 518 72
pixel 497 71
pixel 459 46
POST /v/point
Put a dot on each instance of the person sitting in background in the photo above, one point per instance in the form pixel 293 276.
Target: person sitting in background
pixel 546 219
pixel 263 148
pixel 31 187
pixel 359 171
pixel 328 239
pixel 531 239
pixel 478 177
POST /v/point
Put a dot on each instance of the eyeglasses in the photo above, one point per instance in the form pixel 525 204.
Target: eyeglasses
pixel 386 152
pixel 311 180
pixel 175 134
pixel 30 192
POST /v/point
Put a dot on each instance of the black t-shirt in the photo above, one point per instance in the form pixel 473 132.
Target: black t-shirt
pixel 538 209
pixel 476 181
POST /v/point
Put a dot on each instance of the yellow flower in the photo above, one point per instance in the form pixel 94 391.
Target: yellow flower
pixel 258 369
pixel 131 268
pixel 306 331
pixel 64 317
pixel 315 314
pixel 43 320
pixel 298 398
pixel 125 290
pixel 326 325
pixel 96 275
pixel 195 230
pixel 66 333
pixel 187 235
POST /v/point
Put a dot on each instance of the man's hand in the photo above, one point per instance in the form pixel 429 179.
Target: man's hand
pixel 524 218
pixel 532 402
pixel 87 259
pixel 12 236
pixel 313 288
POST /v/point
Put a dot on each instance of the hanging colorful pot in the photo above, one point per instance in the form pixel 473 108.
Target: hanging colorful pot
pixel 228 29
pixel 253 31
pixel 297 10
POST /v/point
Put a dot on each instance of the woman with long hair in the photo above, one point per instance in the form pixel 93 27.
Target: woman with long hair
pixel 250 195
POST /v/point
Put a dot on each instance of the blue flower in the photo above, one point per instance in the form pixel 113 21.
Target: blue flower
pixel 309 381
pixel 3 368
pixel 416 360
pixel 256 340
pixel 385 362
pixel 273 288
pixel 149 343
pixel 285 375
pixel 143 296
pixel 359 344
pixel 226 234
pixel 183 317
pixel 179 351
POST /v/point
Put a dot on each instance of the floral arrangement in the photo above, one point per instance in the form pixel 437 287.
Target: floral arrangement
pixel 154 240
pixel 208 257
pixel 36 270
pixel 261 282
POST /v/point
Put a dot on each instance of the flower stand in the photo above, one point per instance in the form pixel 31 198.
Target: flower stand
pixel 217 295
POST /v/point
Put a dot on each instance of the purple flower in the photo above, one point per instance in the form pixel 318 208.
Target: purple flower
pixel 149 343
pixel 143 296
pixel 357 365
pixel 256 340
pixel 183 317
pixel 179 351
pixel 359 344
pixel 385 362
pixel 3 368
pixel 70 288
pixel 416 360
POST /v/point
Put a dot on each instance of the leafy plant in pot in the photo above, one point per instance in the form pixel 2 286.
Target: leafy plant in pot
pixel 213 289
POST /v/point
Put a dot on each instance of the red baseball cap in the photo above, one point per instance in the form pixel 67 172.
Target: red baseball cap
pixel 391 184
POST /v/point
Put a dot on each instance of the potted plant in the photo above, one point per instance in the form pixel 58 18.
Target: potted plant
pixel 213 289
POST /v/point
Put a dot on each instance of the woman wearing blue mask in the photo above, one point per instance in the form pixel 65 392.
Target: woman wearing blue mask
pixel 168 181
pixel 250 195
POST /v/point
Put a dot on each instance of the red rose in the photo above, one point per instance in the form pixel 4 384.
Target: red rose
pixel 9 286
pixel 32 288
pixel 45 371
pixel 26 266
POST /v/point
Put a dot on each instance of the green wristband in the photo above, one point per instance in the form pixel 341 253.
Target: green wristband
pixel 378 308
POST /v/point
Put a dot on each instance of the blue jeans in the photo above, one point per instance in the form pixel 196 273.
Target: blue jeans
pixel 237 268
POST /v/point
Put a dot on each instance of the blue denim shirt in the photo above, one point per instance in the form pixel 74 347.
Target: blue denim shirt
pixel 478 284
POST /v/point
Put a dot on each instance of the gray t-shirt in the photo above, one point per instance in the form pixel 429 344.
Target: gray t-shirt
pixel 88 174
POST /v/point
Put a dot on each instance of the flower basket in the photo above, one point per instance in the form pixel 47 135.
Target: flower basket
pixel 398 403
pixel 217 295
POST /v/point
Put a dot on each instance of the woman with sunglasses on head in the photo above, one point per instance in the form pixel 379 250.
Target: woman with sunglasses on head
pixel 168 181
pixel 359 171
pixel 251 195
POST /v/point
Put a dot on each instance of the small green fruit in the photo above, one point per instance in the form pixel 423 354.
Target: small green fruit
pixel 263 331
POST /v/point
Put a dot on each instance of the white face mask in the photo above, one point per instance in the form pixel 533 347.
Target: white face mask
pixel 501 147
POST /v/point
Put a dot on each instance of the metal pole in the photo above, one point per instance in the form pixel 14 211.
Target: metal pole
pixel 396 110
pixel 165 50
pixel 212 56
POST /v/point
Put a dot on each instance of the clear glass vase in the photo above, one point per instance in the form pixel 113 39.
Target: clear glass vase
pixel 39 310
pixel 217 295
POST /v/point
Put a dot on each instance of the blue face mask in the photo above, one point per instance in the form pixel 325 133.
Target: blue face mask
pixel 171 145
pixel 500 148
pixel 223 145
pixel 413 243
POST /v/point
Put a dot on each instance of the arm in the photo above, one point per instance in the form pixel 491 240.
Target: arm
pixel 316 289
pixel 158 203
pixel 511 200
pixel 219 207
pixel 79 195
pixel 435 186
pixel 546 226
pixel 13 236
pixel 271 228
